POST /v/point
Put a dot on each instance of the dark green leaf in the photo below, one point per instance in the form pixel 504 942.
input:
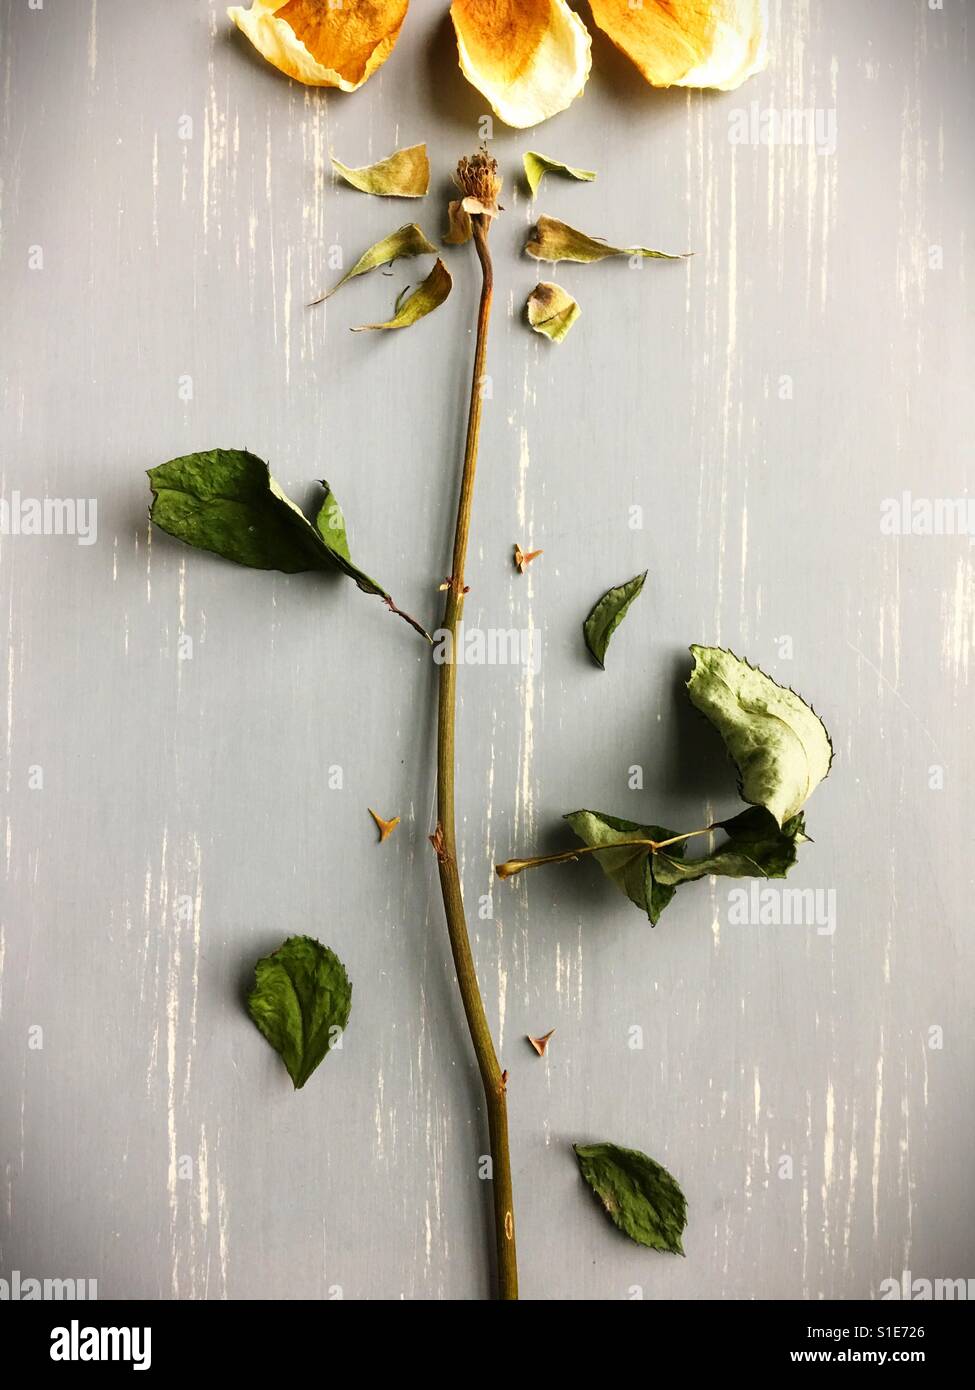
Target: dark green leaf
pixel 225 500
pixel 778 744
pixel 300 1001
pixel 628 866
pixel 607 615
pixel 638 1195
pixel 756 848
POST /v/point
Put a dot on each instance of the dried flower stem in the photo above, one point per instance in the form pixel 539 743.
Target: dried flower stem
pixel 445 840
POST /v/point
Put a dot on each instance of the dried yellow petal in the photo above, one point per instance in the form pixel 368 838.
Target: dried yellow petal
pixel 424 299
pixel 403 174
pixel 688 43
pixel 552 310
pixel 320 43
pixel 385 827
pixel 407 241
pixel 538 165
pixel 557 241
pixel 530 58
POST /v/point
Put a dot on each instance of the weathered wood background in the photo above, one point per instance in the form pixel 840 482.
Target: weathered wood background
pixel 172 724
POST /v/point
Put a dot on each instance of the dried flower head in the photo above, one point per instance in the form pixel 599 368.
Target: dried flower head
pixel 478 179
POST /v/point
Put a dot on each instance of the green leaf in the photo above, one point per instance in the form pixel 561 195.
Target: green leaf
pixel 424 299
pixel 629 866
pixel 300 1001
pixel 607 615
pixel 226 501
pixel 552 310
pixel 403 174
pixel 638 1195
pixel 777 742
pixel 538 165
pixel 756 848
pixel 407 241
pixel 557 241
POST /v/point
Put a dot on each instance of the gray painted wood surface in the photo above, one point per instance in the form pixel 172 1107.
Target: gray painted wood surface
pixel 167 210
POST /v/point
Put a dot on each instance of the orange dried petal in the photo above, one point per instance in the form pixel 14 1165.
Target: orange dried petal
pixel 320 43
pixel 688 43
pixel 530 58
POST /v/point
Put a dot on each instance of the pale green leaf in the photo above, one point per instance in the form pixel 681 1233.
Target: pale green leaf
pixel 552 310
pixel 424 299
pixel 403 174
pixel 778 743
pixel 538 165
pixel 301 1001
pixel 407 241
pixel 607 615
pixel 557 241
pixel 638 1195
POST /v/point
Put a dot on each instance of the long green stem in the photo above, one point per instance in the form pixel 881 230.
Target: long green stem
pixel 445 840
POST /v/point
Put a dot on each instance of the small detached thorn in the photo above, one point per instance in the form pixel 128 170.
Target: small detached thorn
pixel 385 827
pixel 524 558
pixel 540 1044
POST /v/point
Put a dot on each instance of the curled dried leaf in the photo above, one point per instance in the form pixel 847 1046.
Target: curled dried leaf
pixel 538 165
pixel 403 174
pixel 607 614
pixel 407 241
pixel 687 43
pixel 385 827
pixel 552 310
pixel 530 58
pixel 320 43
pixel 553 240
pixel 424 299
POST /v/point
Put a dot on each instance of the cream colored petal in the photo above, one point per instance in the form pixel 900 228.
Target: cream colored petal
pixel 688 43
pixel 320 43
pixel 530 58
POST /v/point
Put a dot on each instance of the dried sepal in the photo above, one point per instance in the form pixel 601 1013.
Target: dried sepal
pixel 687 43
pixel 552 240
pixel 424 299
pixel 551 310
pixel 530 58
pixel 403 174
pixel 459 227
pixel 538 165
pixel 320 43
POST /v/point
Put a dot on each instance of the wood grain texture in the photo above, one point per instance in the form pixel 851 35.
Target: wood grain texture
pixel 758 403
